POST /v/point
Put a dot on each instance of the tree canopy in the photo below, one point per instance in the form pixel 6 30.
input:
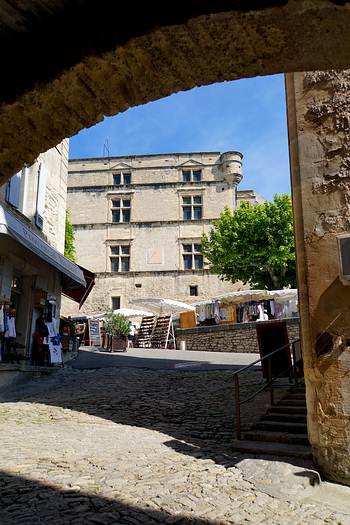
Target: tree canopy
pixel 254 244
pixel 69 250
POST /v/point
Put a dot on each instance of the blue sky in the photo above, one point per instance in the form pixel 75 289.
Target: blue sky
pixel 245 115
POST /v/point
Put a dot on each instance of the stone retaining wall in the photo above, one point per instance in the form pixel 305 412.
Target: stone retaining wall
pixel 233 337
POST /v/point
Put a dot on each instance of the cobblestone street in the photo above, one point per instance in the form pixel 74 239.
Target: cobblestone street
pixel 134 446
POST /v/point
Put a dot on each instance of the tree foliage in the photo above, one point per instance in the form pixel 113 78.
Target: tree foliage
pixel 69 250
pixel 254 244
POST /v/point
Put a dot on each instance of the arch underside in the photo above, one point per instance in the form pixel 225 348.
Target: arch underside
pixel 69 64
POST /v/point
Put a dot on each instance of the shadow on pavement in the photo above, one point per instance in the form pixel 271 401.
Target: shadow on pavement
pixel 28 502
pixel 87 359
pixel 196 410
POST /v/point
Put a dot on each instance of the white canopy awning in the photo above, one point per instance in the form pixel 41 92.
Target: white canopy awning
pixel 245 296
pixel 288 294
pixel 163 306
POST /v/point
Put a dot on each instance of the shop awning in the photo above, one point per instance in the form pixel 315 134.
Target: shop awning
pixel 72 274
pixel 78 292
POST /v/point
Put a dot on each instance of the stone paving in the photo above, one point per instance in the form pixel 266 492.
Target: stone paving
pixel 130 446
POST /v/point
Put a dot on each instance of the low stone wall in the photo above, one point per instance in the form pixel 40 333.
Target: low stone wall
pixel 232 337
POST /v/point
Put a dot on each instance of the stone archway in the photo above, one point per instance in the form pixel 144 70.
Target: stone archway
pixel 89 69
pixel 67 64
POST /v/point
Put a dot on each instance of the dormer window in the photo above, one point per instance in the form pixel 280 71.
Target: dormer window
pixel 122 178
pixel 191 175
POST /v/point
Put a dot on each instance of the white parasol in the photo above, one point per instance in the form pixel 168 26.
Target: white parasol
pixel 163 306
pixel 132 312
pixel 127 312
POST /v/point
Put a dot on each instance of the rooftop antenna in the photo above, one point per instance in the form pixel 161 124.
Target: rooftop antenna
pixel 106 151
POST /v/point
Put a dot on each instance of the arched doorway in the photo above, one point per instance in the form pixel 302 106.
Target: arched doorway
pixel 89 69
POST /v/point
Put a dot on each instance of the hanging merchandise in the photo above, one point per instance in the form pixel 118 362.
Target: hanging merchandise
pixel 216 312
pixel 223 316
pixel 3 328
pixel 53 338
pixel 51 329
pixel 278 310
pixel 2 316
pixel 48 312
pixel 262 313
pixel 40 347
pixel 6 317
pixel 10 321
pixel 201 313
pixel 55 353
pixel 248 306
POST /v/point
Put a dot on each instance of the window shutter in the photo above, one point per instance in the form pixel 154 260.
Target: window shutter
pixel 40 199
pixel 14 189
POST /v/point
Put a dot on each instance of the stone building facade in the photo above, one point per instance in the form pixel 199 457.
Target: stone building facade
pixel 138 223
pixel 33 268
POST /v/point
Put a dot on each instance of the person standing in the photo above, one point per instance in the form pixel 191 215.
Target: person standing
pixel 131 336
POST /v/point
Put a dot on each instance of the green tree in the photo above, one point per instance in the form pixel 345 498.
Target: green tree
pixel 254 244
pixel 69 250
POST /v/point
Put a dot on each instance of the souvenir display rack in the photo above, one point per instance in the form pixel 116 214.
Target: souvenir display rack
pixel 144 334
pixel 163 333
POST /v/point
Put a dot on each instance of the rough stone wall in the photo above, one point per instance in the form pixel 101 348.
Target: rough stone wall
pixel 56 161
pixel 319 125
pixel 174 285
pixel 54 214
pixel 240 337
pixel 82 74
pixel 154 178
pixel 250 196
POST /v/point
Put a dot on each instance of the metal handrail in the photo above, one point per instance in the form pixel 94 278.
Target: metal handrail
pixel 269 382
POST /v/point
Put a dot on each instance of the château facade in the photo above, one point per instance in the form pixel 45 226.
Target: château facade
pixel 138 223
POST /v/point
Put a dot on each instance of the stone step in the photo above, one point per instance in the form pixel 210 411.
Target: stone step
pixel 290 427
pixel 274 449
pixel 276 437
pixel 300 388
pixel 295 395
pixel 278 416
pixel 287 401
pixel 287 409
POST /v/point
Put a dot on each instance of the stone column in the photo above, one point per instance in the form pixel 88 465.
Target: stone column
pixel 318 106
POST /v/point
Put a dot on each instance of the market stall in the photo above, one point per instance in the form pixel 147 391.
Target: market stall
pixel 248 305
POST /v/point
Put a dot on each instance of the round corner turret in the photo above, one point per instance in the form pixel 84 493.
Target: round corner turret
pixel 231 167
